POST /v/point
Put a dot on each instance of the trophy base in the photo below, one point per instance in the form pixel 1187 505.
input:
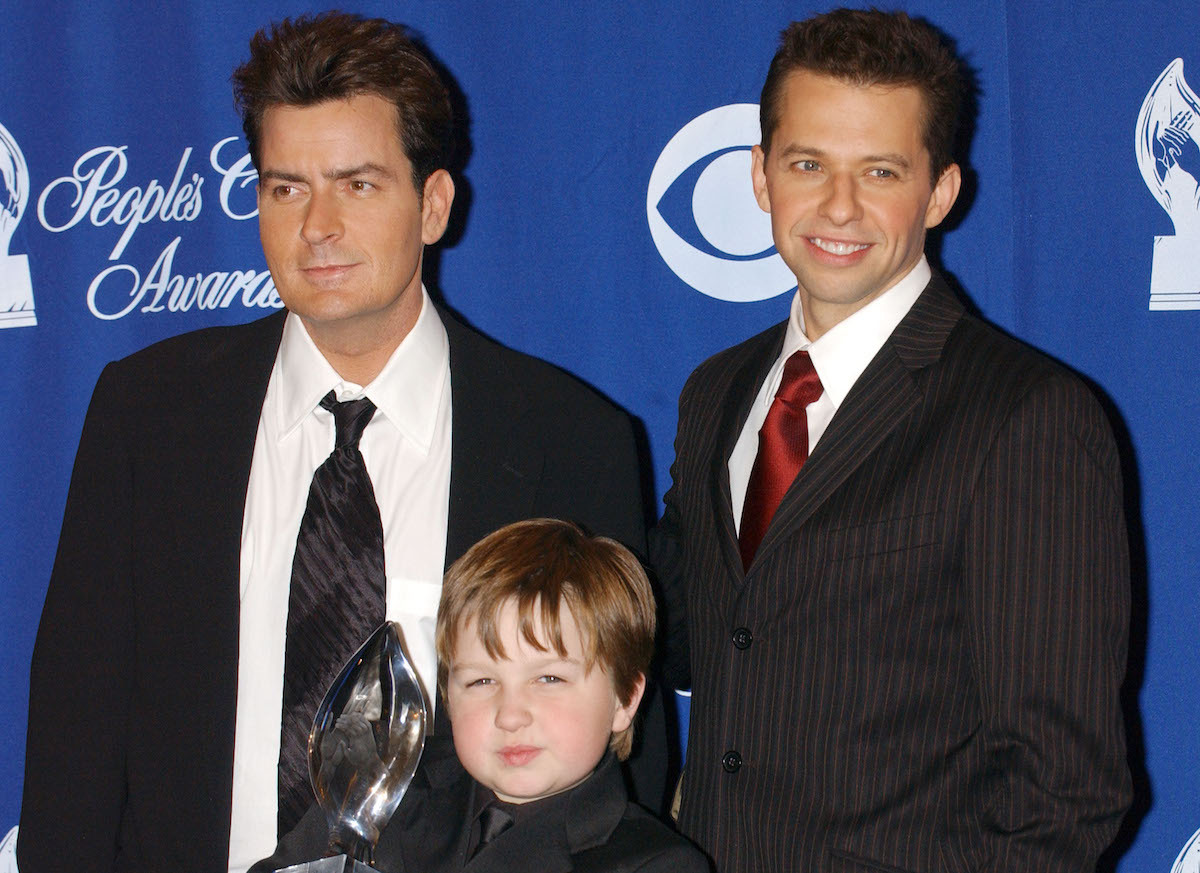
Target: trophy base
pixel 336 864
pixel 1175 273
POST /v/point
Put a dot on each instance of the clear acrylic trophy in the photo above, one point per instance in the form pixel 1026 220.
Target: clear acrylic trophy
pixel 363 750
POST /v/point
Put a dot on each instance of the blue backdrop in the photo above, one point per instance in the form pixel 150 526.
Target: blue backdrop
pixel 605 224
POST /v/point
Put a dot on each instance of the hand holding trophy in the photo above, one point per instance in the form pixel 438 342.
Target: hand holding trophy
pixel 365 743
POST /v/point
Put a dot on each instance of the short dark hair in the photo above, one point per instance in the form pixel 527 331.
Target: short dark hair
pixel 870 47
pixel 335 56
pixel 541 565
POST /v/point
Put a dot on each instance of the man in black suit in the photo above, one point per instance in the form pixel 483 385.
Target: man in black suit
pixel 155 689
pixel 894 551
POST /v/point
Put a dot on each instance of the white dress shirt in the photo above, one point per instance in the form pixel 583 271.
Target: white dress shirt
pixel 839 356
pixel 406 447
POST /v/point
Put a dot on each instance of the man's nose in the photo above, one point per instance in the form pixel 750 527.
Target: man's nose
pixel 841 204
pixel 322 219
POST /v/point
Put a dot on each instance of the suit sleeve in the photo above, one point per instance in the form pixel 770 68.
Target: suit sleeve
pixel 667 557
pixel 1047 569
pixel 80 679
pixel 610 481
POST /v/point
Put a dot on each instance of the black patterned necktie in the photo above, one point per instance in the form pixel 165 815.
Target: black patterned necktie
pixel 337 595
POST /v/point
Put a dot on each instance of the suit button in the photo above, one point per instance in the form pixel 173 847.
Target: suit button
pixel 742 638
pixel 732 762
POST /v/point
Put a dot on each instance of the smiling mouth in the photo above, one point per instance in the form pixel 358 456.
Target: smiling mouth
pixel 837 248
pixel 518 756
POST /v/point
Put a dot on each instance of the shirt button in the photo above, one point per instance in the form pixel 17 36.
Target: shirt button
pixel 732 762
pixel 742 638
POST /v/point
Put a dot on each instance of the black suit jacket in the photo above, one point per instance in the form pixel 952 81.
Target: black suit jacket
pixel 920 670
pixel 134 677
pixel 599 832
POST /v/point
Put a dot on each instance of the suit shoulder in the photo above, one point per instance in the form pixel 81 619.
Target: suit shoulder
pixel 508 370
pixel 1001 366
pixel 735 356
pixel 200 348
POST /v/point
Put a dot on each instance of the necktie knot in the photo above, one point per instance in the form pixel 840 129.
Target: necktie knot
pixel 800 384
pixel 493 821
pixel 350 419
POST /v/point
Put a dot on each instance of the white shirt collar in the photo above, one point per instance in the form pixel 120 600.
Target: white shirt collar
pixel 406 391
pixel 842 353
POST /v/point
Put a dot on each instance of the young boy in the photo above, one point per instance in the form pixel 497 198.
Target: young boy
pixel 544 635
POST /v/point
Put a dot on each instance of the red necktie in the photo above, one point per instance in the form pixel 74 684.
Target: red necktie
pixel 782 451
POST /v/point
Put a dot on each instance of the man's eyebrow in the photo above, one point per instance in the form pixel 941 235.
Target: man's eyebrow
pixel 799 150
pixel 367 169
pixel 888 158
pixel 795 149
pixel 279 176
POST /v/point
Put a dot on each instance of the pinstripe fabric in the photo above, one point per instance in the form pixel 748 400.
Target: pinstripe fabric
pixel 933 632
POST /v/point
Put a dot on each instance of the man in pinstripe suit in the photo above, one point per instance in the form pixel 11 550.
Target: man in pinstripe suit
pixel 917 667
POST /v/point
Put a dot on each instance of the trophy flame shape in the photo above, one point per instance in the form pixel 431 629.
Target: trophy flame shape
pixel 1168 154
pixel 363 750
pixel 16 288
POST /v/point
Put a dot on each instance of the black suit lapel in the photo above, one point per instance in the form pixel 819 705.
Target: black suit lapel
pixel 883 396
pixel 491 475
pixel 743 388
pixel 432 827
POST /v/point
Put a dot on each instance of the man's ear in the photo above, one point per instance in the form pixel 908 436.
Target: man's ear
pixel 758 178
pixel 945 192
pixel 436 201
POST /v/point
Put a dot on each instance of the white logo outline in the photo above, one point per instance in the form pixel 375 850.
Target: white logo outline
pixel 16 286
pixel 736 280
pixel 1166 137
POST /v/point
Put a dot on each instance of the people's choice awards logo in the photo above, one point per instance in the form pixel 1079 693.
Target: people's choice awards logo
pixel 1168 153
pixel 1189 858
pixel 98 193
pixel 702 212
pixel 16 287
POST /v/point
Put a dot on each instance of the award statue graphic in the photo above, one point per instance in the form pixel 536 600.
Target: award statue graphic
pixel 16 289
pixel 1168 155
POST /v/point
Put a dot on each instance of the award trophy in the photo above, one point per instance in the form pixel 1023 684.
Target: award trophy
pixel 363 750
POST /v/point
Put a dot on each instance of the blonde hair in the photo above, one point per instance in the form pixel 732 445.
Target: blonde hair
pixel 541 565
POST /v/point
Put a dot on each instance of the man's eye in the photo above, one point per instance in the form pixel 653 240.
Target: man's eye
pixel 882 173
pixel 359 186
pixel 807 166
pixel 284 190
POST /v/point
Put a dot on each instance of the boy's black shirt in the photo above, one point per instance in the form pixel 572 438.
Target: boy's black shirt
pixel 596 829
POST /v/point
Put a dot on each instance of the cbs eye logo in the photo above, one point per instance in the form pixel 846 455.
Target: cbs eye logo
pixel 703 216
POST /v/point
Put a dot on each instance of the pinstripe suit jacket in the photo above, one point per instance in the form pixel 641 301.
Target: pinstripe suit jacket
pixel 920 670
